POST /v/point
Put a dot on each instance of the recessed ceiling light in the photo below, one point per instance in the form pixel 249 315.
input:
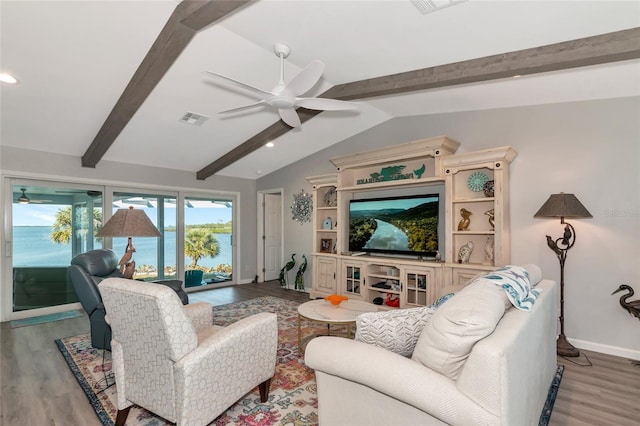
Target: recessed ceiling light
pixel 269 145
pixel 7 78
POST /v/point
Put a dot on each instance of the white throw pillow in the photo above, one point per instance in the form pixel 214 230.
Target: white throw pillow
pixel 395 331
pixel 449 335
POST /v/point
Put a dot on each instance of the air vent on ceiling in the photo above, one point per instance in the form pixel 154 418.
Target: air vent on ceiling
pixel 193 119
pixel 428 6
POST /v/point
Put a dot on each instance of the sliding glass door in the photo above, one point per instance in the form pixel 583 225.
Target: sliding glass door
pixel 155 257
pixel 50 225
pixel 208 240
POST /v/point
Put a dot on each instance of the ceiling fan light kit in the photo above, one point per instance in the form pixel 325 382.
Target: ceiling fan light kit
pixel 285 97
pixel 23 198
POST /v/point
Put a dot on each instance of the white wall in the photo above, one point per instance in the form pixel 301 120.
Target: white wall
pixel 591 149
pixel 34 164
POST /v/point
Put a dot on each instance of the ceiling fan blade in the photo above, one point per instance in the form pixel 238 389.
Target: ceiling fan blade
pixel 255 90
pixel 306 79
pixel 323 104
pixel 290 116
pixel 241 108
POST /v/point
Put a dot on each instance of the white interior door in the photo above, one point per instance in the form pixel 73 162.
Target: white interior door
pixel 272 236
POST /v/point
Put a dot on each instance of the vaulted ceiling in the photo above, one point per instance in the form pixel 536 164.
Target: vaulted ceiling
pixel 110 81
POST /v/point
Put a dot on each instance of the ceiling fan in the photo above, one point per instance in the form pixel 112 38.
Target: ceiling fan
pixel 23 199
pixel 286 97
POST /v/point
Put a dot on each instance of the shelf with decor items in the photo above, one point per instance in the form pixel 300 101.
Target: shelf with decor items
pixel 477 212
pixel 325 213
pixel 383 280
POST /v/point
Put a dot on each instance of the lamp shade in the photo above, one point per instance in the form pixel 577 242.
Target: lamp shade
pixel 563 205
pixel 129 223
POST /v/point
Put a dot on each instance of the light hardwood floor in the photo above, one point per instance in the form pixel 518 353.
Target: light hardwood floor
pixel 37 388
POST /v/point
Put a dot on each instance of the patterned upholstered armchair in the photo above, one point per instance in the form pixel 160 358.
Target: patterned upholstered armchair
pixel 86 272
pixel 170 359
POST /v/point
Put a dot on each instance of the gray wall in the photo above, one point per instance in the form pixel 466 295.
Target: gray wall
pixel 591 149
pixel 34 164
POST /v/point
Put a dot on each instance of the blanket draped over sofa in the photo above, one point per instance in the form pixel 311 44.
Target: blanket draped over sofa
pixel 502 379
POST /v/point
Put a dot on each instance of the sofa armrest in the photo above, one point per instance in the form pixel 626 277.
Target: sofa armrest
pixel 391 374
pixel 230 362
pixel 200 314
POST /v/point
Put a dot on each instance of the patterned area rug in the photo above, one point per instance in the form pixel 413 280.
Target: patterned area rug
pixel 551 397
pixel 292 399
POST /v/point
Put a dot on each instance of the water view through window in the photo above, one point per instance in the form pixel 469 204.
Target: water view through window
pixel 52 225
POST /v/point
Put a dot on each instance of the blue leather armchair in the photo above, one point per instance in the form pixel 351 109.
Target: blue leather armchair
pixel 87 270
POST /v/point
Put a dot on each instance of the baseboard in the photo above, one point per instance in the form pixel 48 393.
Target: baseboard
pixel 606 349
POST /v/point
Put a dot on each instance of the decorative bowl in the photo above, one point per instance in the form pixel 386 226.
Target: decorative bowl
pixel 336 299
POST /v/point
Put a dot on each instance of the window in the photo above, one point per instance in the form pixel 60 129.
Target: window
pixel 208 238
pixel 155 257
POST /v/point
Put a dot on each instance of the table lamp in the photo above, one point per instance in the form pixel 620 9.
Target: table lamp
pixel 129 223
pixel 563 205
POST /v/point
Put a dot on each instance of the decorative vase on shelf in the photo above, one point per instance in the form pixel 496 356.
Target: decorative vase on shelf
pixel 488 188
pixel 465 252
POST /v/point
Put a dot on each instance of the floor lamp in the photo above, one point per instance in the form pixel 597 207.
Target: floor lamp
pixel 129 223
pixel 563 205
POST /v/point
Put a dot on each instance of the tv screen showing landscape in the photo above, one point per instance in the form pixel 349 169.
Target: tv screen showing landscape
pixel 397 225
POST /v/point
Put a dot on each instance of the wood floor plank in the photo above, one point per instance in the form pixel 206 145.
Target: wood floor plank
pixel 37 387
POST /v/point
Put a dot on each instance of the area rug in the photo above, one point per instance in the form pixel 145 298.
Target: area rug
pixel 551 397
pixel 45 318
pixel 292 399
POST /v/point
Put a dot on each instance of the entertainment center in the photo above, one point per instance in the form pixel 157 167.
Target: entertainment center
pixel 395 225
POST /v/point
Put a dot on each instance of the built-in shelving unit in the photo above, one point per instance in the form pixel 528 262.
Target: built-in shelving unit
pixel 422 164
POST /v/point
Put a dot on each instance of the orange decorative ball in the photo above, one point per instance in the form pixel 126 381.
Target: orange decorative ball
pixel 336 299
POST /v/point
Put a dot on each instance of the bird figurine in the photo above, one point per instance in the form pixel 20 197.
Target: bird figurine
pixel 465 252
pixel 553 246
pixel 299 283
pixel 633 307
pixel 566 236
pixel 286 268
pixel 463 225
pixel 491 214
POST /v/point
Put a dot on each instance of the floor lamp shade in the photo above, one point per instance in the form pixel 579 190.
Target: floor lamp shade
pixel 129 223
pixel 563 205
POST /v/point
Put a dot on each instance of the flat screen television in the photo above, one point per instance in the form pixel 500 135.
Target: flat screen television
pixel 404 225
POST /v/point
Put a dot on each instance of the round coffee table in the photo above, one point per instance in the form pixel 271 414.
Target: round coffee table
pixel 324 312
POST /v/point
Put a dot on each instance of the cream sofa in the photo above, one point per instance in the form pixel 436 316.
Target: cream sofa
pixel 504 380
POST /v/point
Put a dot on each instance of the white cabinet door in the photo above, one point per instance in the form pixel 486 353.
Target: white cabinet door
pixel 324 282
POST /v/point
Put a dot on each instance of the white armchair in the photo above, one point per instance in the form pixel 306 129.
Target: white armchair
pixel 170 359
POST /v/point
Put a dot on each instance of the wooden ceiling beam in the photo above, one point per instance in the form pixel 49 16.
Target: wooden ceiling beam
pixel 600 49
pixel 277 129
pixel 187 19
pixel 595 50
